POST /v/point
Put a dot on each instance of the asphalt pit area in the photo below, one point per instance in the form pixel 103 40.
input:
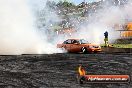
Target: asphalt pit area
pixel 60 70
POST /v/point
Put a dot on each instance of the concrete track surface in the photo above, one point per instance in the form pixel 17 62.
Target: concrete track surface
pixel 60 70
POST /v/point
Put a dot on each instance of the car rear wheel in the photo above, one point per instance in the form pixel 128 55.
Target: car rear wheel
pixel 84 50
pixel 64 50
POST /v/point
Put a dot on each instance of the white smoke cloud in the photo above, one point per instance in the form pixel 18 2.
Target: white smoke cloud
pixel 18 34
pixel 104 20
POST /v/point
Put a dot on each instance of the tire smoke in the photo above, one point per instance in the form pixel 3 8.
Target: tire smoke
pixel 18 34
pixel 104 19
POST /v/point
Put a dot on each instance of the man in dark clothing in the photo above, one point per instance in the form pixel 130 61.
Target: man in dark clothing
pixel 106 38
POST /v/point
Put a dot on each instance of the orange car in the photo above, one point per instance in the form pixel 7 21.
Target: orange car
pixel 79 45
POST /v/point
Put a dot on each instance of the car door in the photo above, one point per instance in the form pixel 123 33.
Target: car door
pixel 67 45
pixel 75 46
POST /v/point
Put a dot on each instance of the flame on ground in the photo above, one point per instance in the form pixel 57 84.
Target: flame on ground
pixel 81 71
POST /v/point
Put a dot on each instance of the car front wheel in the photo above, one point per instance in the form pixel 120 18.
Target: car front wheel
pixel 84 50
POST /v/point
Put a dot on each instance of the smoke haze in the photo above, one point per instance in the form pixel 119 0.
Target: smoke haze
pixel 18 34
pixel 104 20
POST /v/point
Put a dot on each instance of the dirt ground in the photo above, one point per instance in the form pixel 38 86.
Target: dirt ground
pixel 60 70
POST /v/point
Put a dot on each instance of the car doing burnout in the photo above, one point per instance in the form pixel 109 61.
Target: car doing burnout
pixel 79 45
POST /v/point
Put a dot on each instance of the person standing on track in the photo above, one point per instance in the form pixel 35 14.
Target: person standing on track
pixel 106 38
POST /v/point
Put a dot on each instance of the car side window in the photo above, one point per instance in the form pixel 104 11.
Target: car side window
pixel 74 41
pixel 67 42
